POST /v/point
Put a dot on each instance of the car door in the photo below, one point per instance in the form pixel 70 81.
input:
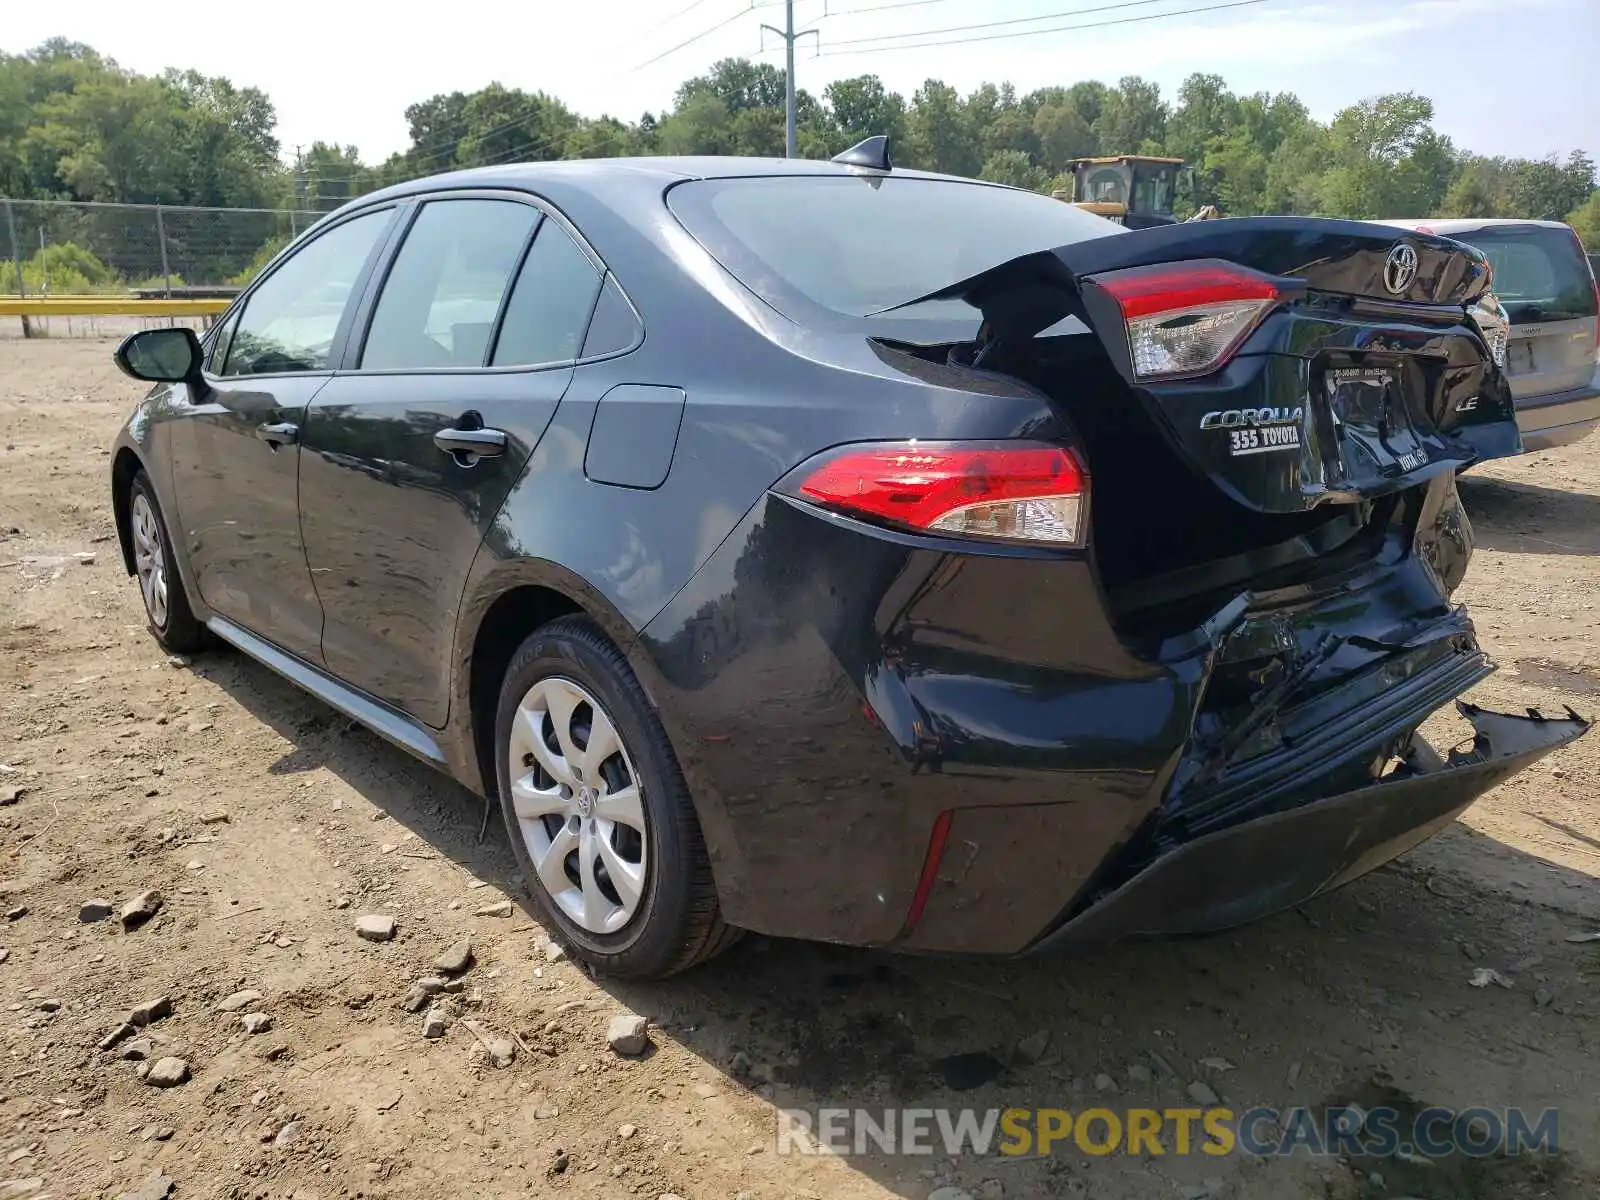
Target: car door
pixel 235 453
pixel 409 451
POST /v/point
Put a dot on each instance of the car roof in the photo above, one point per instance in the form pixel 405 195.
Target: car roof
pixel 1450 225
pixel 664 170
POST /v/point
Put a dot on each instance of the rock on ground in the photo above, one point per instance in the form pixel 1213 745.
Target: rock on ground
pixel 237 1001
pixel 502 1052
pixel 628 1033
pixel 120 1033
pixel 1031 1048
pixel 436 1022
pixel 257 1022
pixel 416 999
pixel 501 908
pixel 456 959
pixel 150 1012
pixel 168 1073
pixel 157 1187
pixel 141 908
pixel 95 910
pixel 375 927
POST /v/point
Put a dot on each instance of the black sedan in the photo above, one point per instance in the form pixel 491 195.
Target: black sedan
pixel 850 553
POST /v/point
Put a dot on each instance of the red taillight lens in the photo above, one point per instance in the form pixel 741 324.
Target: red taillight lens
pixel 1188 318
pixel 1014 492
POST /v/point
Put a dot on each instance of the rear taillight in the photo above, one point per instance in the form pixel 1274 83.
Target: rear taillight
pixel 1016 491
pixel 1188 318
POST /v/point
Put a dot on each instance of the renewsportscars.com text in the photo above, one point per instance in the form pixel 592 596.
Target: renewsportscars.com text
pixel 1260 1132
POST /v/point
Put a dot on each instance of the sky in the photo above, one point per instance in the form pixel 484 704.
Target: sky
pixel 1513 77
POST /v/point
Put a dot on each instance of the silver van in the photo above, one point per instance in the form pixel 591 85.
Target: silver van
pixel 1544 282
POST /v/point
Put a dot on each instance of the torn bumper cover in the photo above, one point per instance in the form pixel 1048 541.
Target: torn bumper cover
pixel 1261 866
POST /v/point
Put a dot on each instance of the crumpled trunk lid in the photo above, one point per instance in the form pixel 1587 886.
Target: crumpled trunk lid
pixel 1368 377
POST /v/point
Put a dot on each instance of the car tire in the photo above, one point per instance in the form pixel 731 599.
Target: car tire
pixel 166 604
pixel 609 847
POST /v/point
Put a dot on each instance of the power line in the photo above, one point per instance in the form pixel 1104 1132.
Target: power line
pixel 872 8
pixel 704 33
pixel 668 20
pixel 1052 16
pixel 549 143
pixel 990 37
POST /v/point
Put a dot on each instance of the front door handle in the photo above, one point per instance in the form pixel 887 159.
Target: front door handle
pixel 282 434
pixel 480 443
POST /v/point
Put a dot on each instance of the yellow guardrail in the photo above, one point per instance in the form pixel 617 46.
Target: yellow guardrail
pixel 107 306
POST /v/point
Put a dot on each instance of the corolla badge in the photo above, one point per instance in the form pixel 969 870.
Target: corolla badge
pixel 1400 268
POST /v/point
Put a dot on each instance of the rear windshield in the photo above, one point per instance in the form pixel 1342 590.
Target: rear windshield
pixel 851 247
pixel 1539 274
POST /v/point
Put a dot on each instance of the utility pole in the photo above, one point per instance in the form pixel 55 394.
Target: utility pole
pixel 790 37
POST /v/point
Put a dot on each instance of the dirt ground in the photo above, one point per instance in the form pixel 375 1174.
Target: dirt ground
pixel 126 763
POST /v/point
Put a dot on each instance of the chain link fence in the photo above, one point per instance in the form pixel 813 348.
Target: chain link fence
pixel 73 248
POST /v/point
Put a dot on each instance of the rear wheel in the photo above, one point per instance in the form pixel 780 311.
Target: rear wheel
pixel 166 604
pixel 598 813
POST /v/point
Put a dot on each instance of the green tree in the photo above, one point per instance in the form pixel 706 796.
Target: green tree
pixel 1061 134
pixel 739 83
pixel 862 107
pixel 1546 190
pixel 939 135
pixel 1013 167
pixel 326 176
pixel 1387 159
pixel 1585 222
pixel 700 125
pixel 1133 118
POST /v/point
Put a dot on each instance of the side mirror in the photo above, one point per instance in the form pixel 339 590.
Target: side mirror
pixel 161 355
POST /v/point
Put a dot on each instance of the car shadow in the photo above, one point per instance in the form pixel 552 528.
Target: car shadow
pixel 430 804
pixel 1310 1007
pixel 1526 518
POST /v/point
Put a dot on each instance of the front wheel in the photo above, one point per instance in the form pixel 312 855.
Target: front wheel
pixel 599 816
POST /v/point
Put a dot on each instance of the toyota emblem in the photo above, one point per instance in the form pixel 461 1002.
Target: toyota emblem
pixel 1400 269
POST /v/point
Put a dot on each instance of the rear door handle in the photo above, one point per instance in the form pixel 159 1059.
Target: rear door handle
pixel 480 443
pixel 282 434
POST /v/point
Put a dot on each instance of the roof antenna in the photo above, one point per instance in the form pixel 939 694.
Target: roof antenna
pixel 872 153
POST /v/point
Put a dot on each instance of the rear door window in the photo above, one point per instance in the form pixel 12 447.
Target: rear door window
pixel 549 308
pixel 439 303
pixel 1539 273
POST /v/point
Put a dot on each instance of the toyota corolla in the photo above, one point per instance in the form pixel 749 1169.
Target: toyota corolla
pixel 851 553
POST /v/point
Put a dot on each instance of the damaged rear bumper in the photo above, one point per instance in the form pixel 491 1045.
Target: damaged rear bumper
pixel 1249 870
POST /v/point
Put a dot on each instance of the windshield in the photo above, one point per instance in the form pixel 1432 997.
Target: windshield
pixel 1105 185
pixel 1152 190
pixel 817 247
pixel 1539 274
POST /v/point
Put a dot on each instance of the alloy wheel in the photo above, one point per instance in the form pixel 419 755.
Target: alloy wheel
pixel 150 560
pixel 578 806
